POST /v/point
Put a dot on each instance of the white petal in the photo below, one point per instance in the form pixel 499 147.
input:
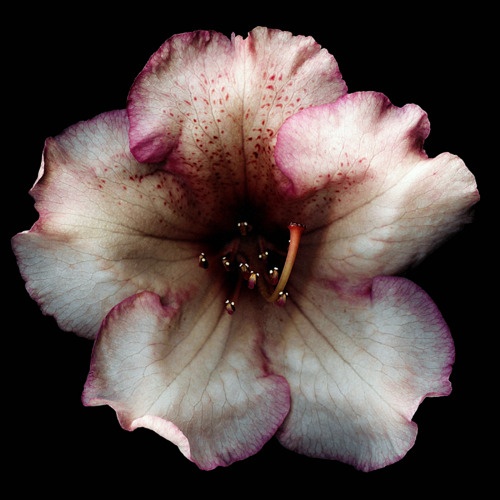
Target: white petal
pixel 372 200
pixel 358 370
pixel 190 372
pixel 108 228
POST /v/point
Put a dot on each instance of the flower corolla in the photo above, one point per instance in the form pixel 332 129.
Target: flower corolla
pixel 234 241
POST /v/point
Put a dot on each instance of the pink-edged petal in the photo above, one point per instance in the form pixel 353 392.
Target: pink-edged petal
pixel 108 227
pixel 196 376
pixel 358 370
pixel 211 106
pixel 372 200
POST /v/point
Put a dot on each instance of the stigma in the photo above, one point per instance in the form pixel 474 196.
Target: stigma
pixel 252 261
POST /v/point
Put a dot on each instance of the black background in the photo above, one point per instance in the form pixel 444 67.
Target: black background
pixel 66 65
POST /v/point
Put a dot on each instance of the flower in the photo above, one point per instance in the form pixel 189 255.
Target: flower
pixel 233 242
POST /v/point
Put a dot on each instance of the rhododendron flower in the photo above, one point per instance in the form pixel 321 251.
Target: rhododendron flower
pixel 234 241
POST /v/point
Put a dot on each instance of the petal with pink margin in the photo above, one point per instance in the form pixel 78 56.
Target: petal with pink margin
pixel 359 368
pixel 109 227
pixel 372 200
pixel 198 377
pixel 211 107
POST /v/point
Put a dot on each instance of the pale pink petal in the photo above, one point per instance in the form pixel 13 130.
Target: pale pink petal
pixel 372 200
pixel 108 227
pixel 359 369
pixel 195 375
pixel 211 106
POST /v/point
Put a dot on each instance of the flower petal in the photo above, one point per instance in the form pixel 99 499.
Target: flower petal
pixel 210 108
pixel 359 370
pixel 109 227
pixel 359 173
pixel 197 377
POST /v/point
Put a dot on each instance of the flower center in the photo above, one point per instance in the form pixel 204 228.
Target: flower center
pixel 253 260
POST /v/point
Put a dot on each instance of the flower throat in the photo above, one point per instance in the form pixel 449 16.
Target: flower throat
pixel 254 261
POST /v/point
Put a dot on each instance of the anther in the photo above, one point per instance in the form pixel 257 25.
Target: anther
pixel 274 276
pixel 226 263
pixel 245 270
pixel 244 228
pixel 252 280
pixel 264 256
pixel 281 300
pixel 230 307
pixel 202 261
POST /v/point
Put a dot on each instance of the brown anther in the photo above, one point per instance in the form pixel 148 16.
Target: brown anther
pixel 252 280
pixel 245 270
pixel 226 263
pixel 202 261
pixel 244 228
pixel 230 307
pixel 281 300
pixel 274 276
pixel 263 256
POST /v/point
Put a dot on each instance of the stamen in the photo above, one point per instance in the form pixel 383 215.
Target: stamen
pixel 226 263
pixel 245 270
pixel 252 280
pixel 263 251
pixel 295 235
pixel 230 307
pixel 281 300
pixel 238 258
pixel 230 304
pixel 244 228
pixel 202 261
pixel 274 276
